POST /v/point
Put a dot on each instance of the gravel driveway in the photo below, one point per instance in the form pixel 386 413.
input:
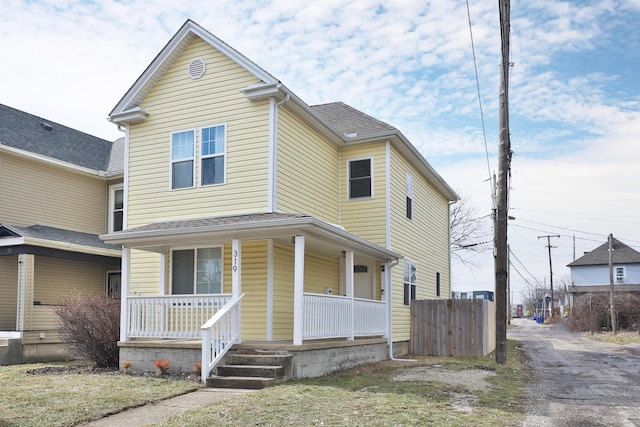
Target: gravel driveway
pixel 580 382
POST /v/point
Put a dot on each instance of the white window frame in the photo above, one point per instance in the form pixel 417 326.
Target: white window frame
pixel 112 208
pixel 202 157
pixel 195 266
pixel 193 159
pixel 620 278
pixel 413 287
pixel 409 194
pixel 349 161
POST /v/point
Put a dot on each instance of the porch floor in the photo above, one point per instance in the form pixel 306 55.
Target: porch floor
pixel 283 345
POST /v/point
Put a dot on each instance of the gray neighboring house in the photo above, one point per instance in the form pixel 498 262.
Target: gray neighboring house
pixel 590 272
pixel 59 189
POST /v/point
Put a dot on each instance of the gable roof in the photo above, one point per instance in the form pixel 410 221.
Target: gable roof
pixel 622 254
pixel 339 122
pixel 44 138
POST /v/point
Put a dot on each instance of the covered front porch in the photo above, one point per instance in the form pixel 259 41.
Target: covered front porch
pixel 296 283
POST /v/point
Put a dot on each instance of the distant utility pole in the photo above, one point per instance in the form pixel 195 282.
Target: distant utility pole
pixel 550 265
pixel 504 166
pixel 612 287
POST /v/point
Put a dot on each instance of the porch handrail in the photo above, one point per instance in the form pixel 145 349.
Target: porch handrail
pixel 219 333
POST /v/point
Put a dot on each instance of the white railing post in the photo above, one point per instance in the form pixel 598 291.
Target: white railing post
pixel 298 291
pixel 350 293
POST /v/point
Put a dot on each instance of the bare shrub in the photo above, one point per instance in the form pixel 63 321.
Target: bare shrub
pixel 90 327
pixel 592 312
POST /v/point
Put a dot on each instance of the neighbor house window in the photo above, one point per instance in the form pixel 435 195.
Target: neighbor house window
pixel 212 155
pixel 409 281
pixel 409 182
pixel 619 274
pixel 116 207
pixel 360 182
pixel 182 159
pixel 113 284
pixel 196 271
pixel 437 284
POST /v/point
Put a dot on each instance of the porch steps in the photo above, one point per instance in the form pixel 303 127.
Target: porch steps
pixel 252 369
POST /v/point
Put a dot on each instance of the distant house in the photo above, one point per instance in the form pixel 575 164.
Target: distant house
pixel 590 272
pixel 59 189
pixel 321 222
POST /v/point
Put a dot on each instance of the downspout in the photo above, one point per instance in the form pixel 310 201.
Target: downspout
pixel 388 291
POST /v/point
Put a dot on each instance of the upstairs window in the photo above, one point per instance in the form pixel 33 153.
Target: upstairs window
pixel 410 283
pixel 360 178
pixel 438 284
pixel 182 159
pixel 116 207
pixel 409 184
pixel 213 155
pixel 196 271
pixel 620 274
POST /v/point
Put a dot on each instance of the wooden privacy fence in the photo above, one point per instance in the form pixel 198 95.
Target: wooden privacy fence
pixel 454 327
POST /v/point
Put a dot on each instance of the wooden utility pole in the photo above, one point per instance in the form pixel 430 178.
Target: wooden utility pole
pixel 504 164
pixel 612 302
pixel 550 266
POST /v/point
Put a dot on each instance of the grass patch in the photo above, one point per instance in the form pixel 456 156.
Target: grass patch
pixel 66 399
pixel 625 337
pixel 369 395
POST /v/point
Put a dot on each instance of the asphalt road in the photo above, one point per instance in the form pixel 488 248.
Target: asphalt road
pixel 579 382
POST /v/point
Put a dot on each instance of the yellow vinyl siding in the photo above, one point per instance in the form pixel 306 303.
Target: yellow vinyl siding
pixel 283 275
pixel 307 180
pixel 423 239
pixel 365 217
pixel 55 279
pixel 320 272
pixel 254 285
pixel 178 103
pixel 37 193
pixel 8 292
pixel 145 273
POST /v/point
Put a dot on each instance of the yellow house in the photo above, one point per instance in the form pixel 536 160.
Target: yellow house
pixel 58 191
pixel 258 220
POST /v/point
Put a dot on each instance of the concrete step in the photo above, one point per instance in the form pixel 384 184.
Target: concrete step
pixel 266 371
pixel 261 359
pixel 253 383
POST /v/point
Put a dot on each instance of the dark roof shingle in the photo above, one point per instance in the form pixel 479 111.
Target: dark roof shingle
pixel 622 254
pixel 347 120
pixel 34 134
pixel 56 234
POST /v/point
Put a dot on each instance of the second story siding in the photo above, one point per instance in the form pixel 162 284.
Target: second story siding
pixel 34 192
pixel 178 103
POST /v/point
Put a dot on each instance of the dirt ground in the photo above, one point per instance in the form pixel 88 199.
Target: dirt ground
pixel 580 382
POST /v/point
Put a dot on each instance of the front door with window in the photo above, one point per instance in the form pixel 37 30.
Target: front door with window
pixel 363 281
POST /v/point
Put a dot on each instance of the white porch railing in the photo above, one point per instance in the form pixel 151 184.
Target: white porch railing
pixel 171 316
pixel 219 334
pixel 329 316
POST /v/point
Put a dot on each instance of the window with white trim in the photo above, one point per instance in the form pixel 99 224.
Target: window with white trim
pixel 360 178
pixel 410 283
pixel 196 271
pixel 620 274
pixel 182 159
pixel 212 155
pixel 409 185
pixel 437 283
pixel 114 283
pixel 116 207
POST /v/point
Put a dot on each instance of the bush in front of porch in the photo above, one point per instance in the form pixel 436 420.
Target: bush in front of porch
pixel 90 328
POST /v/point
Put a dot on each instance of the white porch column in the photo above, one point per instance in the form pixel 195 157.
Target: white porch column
pixel 124 292
pixel 298 291
pixel 269 331
pixel 348 264
pixel 25 291
pixel 163 274
pixel 236 283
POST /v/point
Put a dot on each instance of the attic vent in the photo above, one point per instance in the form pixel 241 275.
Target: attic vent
pixel 46 126
pixel 196 68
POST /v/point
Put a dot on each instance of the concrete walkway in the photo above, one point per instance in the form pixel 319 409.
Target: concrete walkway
pixel 159 411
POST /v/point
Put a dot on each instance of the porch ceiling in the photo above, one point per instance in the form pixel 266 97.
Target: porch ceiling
pixel 321 236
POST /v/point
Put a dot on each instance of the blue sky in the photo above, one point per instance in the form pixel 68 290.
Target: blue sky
pixel 574 93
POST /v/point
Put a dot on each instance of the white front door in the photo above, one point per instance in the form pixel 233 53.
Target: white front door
pixel 363 284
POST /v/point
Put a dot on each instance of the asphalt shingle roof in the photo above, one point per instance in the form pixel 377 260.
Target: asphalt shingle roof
pixel 34 134
pixel 58 235
pixel 347 120
pixel 622 254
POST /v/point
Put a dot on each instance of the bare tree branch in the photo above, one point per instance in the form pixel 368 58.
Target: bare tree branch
pixel 468 231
